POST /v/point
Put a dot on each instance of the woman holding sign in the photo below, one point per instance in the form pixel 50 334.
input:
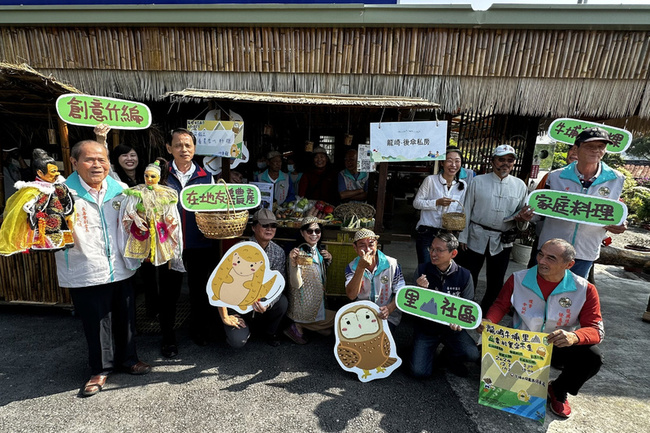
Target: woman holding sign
pixel 307 270
pixel 438 194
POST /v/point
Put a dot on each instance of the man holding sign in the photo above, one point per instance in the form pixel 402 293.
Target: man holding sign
pixel 549 298
pixel 442 274
pixel 588 175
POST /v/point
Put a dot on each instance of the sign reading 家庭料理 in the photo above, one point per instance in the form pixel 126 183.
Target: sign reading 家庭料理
pixel 408 141
pixel 214 197
pixel 439 307
pixel 578 208
pixel 515 367
pixel 566 130
pixel 218 137
pixel 88 110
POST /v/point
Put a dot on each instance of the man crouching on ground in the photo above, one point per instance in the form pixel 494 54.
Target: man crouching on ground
pixel 95 270
pixel 564 305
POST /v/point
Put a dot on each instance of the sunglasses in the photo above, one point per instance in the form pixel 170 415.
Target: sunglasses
pixel 269 226
pixel 312 231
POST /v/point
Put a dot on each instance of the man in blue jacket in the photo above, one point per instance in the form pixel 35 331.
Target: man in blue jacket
pixel 442 274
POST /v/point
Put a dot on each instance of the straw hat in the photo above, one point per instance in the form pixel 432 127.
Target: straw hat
pixel 364 234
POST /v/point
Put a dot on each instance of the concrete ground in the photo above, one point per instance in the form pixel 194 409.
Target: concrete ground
pixel 299 388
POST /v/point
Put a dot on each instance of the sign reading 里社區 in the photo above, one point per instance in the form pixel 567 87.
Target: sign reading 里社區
pixel 439 307
pixel 87 110
pixel 207 198
pixel 579 208
pixel 408 141
pixel 515 367
pixel 566 130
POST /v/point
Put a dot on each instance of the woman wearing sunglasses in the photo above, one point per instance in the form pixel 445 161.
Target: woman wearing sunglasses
pixel 307 271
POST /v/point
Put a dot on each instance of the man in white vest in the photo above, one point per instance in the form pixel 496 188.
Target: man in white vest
pixel 549 298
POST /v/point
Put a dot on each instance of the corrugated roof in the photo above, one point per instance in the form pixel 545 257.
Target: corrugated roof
pixel 639 170
pixel 198 95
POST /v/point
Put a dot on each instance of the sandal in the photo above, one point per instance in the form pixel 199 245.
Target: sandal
pixel 94 385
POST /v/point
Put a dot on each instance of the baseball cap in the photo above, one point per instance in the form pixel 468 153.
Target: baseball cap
pixel 363 234
pixel 504 149
pixel 272 154
pixel 319 150
pixel 264 216
pixel 592 134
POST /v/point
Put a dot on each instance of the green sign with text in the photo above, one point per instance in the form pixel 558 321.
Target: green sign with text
pixel 208 198
pixel 439 307
pixel 566 130
pixel 579 208
pixel 87 110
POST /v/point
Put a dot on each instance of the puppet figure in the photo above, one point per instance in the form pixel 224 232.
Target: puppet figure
pixel 151 220
pixel 40 215
pixel 239 278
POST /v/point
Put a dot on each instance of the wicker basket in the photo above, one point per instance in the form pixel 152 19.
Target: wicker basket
pixel 454 221
pixel 222 224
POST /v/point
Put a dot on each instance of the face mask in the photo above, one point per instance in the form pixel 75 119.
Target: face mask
pixel 261 165
pixel 290 168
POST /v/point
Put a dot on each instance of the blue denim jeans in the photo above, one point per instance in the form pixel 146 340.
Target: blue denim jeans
pixel 581 267
pixel 459 347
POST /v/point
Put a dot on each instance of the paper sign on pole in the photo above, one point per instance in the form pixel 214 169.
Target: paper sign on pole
pixel 439 307
pixel 214 197
pixel 266 193
pixel 408 141
pixel 515 367
pixel 218 137
pixel 364 159
pixel 364 344
pixel 87 110
pixel 578 208
pixel 566 130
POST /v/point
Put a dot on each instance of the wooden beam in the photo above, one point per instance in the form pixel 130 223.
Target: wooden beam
pixel 381 197
pixel 116 138
pixel 65 147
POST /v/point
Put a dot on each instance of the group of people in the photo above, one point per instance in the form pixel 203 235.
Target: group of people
pixel 559 301
pixel 553 295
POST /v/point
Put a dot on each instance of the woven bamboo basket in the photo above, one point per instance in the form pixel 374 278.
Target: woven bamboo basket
pixel 454 221
pixel 222 224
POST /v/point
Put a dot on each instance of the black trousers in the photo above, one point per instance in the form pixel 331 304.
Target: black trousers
pixel 107 312
pixel 164 286
pixel 269 322
pixel 495 271
pixel 579 364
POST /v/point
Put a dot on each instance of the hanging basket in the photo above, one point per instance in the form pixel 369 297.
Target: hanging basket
pixel 226 224
pixel 454 221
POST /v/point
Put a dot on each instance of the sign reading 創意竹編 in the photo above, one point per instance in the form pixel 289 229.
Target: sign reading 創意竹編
pixel 208 198
pixel 88 110
pixel 566 130
pixel 579 208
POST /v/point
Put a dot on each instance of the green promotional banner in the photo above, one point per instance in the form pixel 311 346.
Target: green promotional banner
pixel 566 130
pixel 515 371
pixel 87 110
pixel 207 198
pixel 579 208
pixel 439 307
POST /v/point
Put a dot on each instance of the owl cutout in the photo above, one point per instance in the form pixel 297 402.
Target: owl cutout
pixel 242 277
pixel 364 344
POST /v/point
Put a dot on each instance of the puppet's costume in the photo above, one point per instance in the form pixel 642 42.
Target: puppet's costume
pixel 151 220
pixel 37 217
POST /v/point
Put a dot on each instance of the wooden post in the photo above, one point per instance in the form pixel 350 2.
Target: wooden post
pixel 116 138
pixel 381 197
pixel 65 147
pixel 225 169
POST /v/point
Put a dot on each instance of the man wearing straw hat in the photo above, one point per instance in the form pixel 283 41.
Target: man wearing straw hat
pixel 374 276
pixel 96 271
pixel 494 205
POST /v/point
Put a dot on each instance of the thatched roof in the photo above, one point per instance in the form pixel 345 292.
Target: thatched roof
pixel 199 95
pixel 26 92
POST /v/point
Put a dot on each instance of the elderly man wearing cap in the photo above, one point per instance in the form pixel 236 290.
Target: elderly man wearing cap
pixel 374 276
pixel 269 317
pixel 588 175
pixel 493 204
pixel 282 185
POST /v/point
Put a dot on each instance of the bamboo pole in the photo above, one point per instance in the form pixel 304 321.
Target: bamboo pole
pixel 65 147
pixel 381 197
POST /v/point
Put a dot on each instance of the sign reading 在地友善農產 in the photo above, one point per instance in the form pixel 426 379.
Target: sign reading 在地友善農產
pixel 214 197
pixel 439 307
pixel 87 110
pixel 566 130
pixel 408 141
pixel 578 208
pixel 515 366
